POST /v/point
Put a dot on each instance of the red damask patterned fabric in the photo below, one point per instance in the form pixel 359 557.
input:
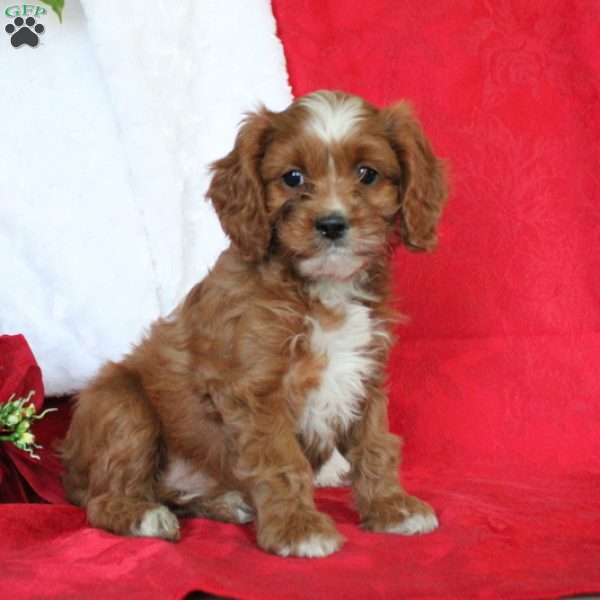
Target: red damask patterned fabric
pixel 495 382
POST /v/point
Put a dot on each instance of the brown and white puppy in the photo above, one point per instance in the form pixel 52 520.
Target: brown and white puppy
pixel 229 407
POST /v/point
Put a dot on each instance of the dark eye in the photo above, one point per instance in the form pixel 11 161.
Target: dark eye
pixel 293 178
pixel 367 175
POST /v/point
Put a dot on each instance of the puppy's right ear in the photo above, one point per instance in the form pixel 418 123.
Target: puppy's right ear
pixel 238 192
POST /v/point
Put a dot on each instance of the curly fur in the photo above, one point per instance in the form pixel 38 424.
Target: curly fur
pixel 230 406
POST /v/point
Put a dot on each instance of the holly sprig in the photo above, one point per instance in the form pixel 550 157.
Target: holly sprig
pixel 16 418
pixel 57 6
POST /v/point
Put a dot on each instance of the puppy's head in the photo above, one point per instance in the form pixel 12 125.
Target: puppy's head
pixel 327 184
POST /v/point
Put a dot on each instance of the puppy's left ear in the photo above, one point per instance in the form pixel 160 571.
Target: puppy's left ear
pixel 237 190
pixel 424 187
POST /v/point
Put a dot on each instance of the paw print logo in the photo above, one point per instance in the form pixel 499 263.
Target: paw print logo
pixel 24 32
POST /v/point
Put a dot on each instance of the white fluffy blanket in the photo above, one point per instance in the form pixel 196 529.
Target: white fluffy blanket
pixel 108 127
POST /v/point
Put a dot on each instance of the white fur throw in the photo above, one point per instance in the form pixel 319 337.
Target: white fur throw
pixel 108 127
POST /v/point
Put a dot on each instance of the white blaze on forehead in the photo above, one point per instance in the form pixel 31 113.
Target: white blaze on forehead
pixel 332 117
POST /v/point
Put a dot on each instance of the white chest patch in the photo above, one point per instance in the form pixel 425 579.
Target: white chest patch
pixel 337 402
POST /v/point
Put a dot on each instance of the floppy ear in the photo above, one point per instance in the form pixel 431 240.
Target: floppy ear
pixel 424 186
pixel 237 190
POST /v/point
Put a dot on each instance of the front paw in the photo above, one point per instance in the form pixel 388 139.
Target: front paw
pixel 305 533
pixel 401 514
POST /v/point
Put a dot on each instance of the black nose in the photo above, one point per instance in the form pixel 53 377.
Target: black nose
pixel 332 226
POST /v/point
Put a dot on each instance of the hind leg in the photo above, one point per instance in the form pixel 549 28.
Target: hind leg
pixel 111 455
pixel 132 516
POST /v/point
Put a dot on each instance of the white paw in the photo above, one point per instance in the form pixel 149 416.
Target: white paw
pixel 242 512
pixel 414 524
pixel 158 522
pixel 313 546
pixel 334 473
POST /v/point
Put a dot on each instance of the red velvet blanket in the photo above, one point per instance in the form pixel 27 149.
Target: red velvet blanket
pixel 495 384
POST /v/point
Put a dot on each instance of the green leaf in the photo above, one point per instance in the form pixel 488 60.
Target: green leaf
pixel 57 6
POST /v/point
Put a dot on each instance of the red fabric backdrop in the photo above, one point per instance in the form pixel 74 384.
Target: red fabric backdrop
pixel 495 384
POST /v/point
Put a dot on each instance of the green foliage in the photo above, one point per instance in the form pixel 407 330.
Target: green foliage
pixel 57 6
pixel 16 418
